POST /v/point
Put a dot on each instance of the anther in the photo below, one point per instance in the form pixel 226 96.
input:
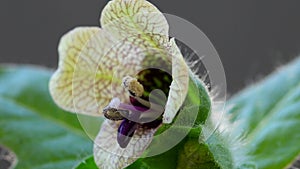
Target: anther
pixel 112 112
pixel 133 86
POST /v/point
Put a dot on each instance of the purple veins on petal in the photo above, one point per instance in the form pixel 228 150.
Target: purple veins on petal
pixel 125 132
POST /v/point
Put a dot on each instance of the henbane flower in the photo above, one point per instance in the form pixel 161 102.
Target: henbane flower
pixel 114 72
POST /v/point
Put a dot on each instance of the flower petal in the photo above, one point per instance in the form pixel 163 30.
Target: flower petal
pixel 99 72
pixel 136 20
pixel 96 70
pixel 69 49
pixel 179 85
pixel 109 155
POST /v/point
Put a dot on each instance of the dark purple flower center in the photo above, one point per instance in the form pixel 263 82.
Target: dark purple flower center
pixel 151 79
pixel 125 132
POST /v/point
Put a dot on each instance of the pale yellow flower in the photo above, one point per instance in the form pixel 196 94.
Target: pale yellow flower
pixel 93 63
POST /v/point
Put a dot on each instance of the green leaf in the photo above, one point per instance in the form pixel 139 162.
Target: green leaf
pixel 270 116
pixel 87 163
pixel 33 127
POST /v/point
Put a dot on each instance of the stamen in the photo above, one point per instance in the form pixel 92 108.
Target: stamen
pixel 132 108
pixel 136 91
pixel 115 114
pixel 116 111
pixel 140 114
pixel 133 86
pixel 112 111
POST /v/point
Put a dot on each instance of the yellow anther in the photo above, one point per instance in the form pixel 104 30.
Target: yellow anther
pixel 133 86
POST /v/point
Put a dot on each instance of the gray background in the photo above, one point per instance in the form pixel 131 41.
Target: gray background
pixel 252 37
